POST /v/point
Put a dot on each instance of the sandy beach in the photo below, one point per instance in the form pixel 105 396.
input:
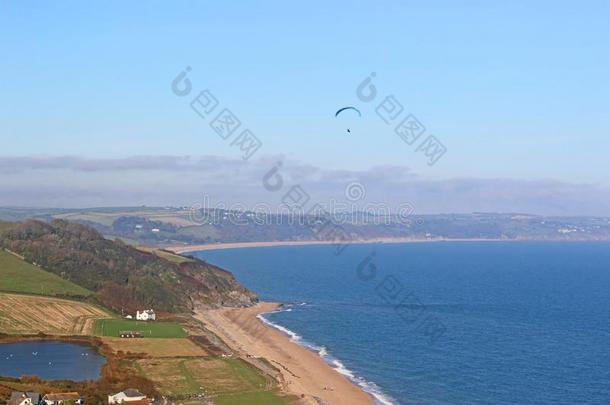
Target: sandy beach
pixel 303 372
pixel 240 245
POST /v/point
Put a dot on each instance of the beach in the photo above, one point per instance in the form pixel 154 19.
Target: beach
pixel 240 245
pixel 304 373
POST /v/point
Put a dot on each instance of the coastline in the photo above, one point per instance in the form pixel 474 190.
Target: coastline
pixel 241 245
pixel 303 369
pixel 303 372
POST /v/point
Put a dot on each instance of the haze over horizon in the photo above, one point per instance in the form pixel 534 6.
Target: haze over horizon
pixel 70 182
pixel 522 110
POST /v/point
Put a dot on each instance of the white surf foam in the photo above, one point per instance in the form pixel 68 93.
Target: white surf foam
pixel 367 386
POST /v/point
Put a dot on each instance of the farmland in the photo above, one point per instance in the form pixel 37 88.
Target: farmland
pixel 122 277
pixel 165 359
pixel 258 397
pixel 165 254
pixel 18 276
pixel 5 225
pixel 158 348
pixel 112 327
pixel 25 314
pixel 219 378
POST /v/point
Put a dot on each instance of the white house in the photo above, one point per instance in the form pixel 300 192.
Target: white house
pixel 129 395
pixel 60 398
pixel 146 315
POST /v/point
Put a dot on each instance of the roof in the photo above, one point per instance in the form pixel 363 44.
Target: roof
pixel 131 392
pixel 18 395
pixel 140 402
pixel 62 396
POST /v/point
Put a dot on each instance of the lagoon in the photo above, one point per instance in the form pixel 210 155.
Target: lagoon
pixel 50 360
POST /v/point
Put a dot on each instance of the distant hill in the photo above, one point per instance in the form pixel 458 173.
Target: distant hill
pixel 121 276
pixel 174 226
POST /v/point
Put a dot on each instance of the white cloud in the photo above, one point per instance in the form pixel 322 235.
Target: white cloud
pixel 70 181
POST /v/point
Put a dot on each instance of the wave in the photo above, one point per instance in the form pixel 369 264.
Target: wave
pixel 367 386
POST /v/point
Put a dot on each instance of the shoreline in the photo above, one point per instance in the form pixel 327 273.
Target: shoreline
pixel 243 245
pixel 182 249
pixel 305 370
pixel 369 387
pixel 304 373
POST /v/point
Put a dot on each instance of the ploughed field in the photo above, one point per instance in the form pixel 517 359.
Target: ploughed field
pixel 33 300
pixel 26 314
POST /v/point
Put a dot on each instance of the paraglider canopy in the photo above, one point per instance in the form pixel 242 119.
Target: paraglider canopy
pixel 348 108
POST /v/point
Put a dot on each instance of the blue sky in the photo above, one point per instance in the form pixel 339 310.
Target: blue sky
pixel 516 90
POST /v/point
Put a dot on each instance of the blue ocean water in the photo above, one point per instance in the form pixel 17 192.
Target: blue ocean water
pixel 50 360
pixel 514 322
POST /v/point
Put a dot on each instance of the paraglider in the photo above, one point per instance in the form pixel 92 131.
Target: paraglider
pixel 348 108
pixel 339 111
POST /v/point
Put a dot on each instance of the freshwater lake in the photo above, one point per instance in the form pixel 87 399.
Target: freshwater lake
pixel 50 360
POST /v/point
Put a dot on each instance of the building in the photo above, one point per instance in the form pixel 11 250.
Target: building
pixel 24 398
pixel 60 398
pixel 146 315
pixel 128 334
pixel 128 396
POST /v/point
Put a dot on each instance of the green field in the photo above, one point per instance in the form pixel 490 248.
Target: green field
pixel 228 381
pixel 112 327
pixel 260 398
pixel 19 276
pixel 164 254
pixel 5 225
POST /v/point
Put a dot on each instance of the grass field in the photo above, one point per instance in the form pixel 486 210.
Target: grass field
pixel 227 379
pixel 158 348
pixel 108 216
pixel 164 254
pixel 112 327
pixel 261 397
pixel 5 225
pixel 27 314
pixel 19 276
pixel 98 217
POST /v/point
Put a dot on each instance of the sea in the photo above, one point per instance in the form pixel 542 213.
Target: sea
pixel 445 322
